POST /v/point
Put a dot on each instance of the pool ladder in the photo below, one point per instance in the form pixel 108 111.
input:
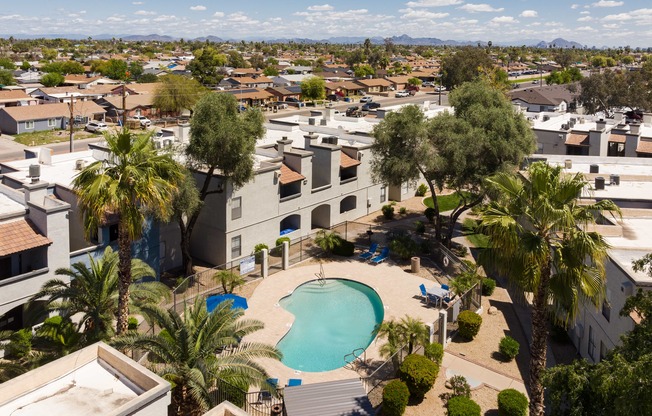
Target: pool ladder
pixel 321 276
pixel 354 356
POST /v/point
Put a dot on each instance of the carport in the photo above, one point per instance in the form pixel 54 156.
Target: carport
pixel 332 398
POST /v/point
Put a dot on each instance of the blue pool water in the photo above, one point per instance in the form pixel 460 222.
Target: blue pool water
pixel 330 322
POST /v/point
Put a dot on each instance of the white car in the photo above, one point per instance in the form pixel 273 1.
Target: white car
pixel 401 94
pixel 95 126
pixel 144 121
pixel 366 99
pixel 440 88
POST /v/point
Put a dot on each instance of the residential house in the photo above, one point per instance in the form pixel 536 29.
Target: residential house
pixel 136 105
pixel 85 81
pixel 246 82
pixel 551 98
pixel 399 82
pixel 345 88
pixel 27 119
pixel 251 96
pixel 282 93
pixel 287 80
pixel 15 98
pixel 65 94
pixel 376 85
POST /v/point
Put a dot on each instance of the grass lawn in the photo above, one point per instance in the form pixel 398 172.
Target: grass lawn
pixel 478 240
pixel 446 202
pixel 39 138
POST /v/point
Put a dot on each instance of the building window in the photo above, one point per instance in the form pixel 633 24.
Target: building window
pixel 606 306
pixel 236 247
pixel 29 125
pixel 383 194
pixel 236 208
pixel 52 122
pixel 591 347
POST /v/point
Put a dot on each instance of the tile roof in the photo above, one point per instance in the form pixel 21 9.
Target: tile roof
pixel 10 96
pixel 289 176
pixel 80 79
pixel 644 146
pixel 617 138
pixel 347 161
pixel 19 236
pixel 577 139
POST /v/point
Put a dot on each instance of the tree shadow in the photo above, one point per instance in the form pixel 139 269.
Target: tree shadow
pixel 515 331
pixel 492 412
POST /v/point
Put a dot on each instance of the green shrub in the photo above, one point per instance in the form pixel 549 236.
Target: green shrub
pixel 419 227
pixel 395 398
pixel 345 248
pixel 434 352
pixel 421 190
pixel 132 323
pixel 488 286
pixel 280 240
pixel 388 211
pixel 469 324
pixel 512 403
pixel 509 347
pixel 181 284
pixel 459 386
pixel 260 247
pixel 430 214
pixel 402 211
pixel 463 406
pixel 419 374
pixel 20 344
pixel 403 246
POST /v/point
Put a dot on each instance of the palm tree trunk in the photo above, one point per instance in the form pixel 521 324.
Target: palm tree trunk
pixel 186 258
pixel 124 274
pixel 539 345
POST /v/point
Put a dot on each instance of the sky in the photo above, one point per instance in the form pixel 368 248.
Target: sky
pixel 592 23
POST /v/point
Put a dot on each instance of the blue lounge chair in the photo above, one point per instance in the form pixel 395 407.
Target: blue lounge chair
pixel 294 382
pixel 424 293
pixel 369 253
pixel 381 257
pixel 272 383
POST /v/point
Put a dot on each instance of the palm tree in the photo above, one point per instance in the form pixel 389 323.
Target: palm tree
pixel 407 331
pixel 134 182
pixel 327 240
pixel 539 240
pixel 93 293
pixel 191 351
pixel 415 332
pixel 229 280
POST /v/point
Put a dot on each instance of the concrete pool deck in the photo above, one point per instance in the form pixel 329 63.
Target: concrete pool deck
pixel 398 290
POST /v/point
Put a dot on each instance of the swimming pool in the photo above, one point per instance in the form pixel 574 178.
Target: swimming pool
pixel 330 322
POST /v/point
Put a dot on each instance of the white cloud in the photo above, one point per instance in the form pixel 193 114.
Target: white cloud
pixel 608 3
pixel 432 3
pixel 114 19
pixel 585 19
pixel 585 12
pixel 144 13
pixel 611 26
pixel 137 3
pixel 504 19
pixel 218 14
pixel 575 6
pixel 585 29
pixel 198 8
pixel 323 7
pixel 421 15
pixel 618 17
pixel 529 13
pixel 483 7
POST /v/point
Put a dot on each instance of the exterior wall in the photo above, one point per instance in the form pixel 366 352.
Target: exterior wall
pixel 549 143
pixel 40 125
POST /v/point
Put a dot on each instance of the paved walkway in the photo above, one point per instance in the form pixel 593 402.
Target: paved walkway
pixel 477 375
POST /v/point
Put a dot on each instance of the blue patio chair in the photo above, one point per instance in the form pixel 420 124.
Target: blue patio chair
pixel 434 299
pixel 272 383
pixel 294 382
pixel 424 293
pixel 369 253
pixel 381 257
pixel 445 287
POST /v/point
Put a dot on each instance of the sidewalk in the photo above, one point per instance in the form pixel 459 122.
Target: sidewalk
pixel 477 375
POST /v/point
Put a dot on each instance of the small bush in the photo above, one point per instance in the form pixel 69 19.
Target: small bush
pixel 419 374
pixel 181 284
pixel 132 323
pixel 388 211
pixel 509 347
pixel 421 190
pixel 260 247
pixel 460 386
pixel 345 248
pixel 434 352
pixel 419 227
pixel 430 214
pixel 403 246
pixel 402 211
pixel 395 398
pixel 488 286
pixel 20 344
pixel 463 406
pixel 512 403
pixel 469 324
pixel 460 250
pixel 280 240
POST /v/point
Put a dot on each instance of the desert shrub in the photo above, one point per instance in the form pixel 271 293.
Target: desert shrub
pixel 345 248
pixel 403 246
pixel 419 374
pixel 419 227
pixel 20 344
pixel 430 214
pixel 434 352
pixel 488 286
pixel 388 211
pixel 463 406
pixel 458 386
pixel 132 323
pixel 512 403
pixel 402 211
pixel 260 247
pixel 395 398
pixel 280 240
pixel 460 250
pixel 421 190
pixel 469 324
pixel 509 347
pixel 181 284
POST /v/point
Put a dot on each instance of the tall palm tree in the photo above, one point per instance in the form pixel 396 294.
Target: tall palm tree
pixel 93 293
pixel 539 240
pixel 191 351
pixel 135 182
pixel 414 332
pixel 406 331
pixel 327 240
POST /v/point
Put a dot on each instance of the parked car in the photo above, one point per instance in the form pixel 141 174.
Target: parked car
pixel 144 121
pixel 536 81
pixel 333 97
pixel 95 126
pixel 401 94
pixel 439 88
pixel 428 84
pixel 370 106
pixel 366 99
pixel 354 111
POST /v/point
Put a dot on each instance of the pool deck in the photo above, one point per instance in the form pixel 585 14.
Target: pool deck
pixel 398 290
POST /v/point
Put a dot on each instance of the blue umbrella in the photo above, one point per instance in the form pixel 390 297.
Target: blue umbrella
pixel 238 301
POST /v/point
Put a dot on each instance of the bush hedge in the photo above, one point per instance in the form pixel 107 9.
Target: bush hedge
pixel 419 227
pixel 404 246
pixel 280 240
pixel 469 324
pixel 463 406
pixel 388 211
pixel 421 190
pixel 509 347
pixel 430 214
pixel 132 323
pixel 488 286
pixel 434 352
pixel 419 374
pixel 395 398
pixel 20 344
pixel 512 403
pixel 345 248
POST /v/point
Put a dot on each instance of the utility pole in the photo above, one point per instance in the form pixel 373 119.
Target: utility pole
pixel 71 122
pixel 124 105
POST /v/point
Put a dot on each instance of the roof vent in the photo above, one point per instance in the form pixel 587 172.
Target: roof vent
pixel 34 172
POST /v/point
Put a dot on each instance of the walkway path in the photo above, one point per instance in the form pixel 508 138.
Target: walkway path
pixel 477 375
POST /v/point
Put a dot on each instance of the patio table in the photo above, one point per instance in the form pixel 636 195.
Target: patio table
pixel 438 292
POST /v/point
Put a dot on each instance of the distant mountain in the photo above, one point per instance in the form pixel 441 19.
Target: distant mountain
pixel 209 38
pixel 560 43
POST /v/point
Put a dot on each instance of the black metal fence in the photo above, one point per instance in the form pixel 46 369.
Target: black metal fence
pixel 259 403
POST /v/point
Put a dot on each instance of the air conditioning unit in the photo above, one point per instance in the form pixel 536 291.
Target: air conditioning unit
pixel 80 164
pixel 627 288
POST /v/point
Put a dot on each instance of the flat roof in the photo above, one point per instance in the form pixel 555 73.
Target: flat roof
pixel 624 258
pixel 10 207
pixel 60 170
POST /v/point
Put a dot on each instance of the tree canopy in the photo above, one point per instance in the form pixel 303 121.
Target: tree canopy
pixel 52 79
pixel 313 88
pixel 205 68
pixel 176 93
pixel 466 64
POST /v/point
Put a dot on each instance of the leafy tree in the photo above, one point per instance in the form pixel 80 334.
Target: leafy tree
pixel 603 91
pixel 6 78
pixel 191 352
pixel 257 61
pixel 52 79
pixel 414 81
pixel 26 66
pixel 236 60
pixel 135 184
pixel 176 93
pixel 147 79
pixel 313 88
pixel 270 71
pixel 466 64
pixel 6 63
pixel 205 68
pixel 361 71
pixel 135 70
pixel 66 67
pixel 407 331
pixel 114 69
pixel 539 240
pixel 222 140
